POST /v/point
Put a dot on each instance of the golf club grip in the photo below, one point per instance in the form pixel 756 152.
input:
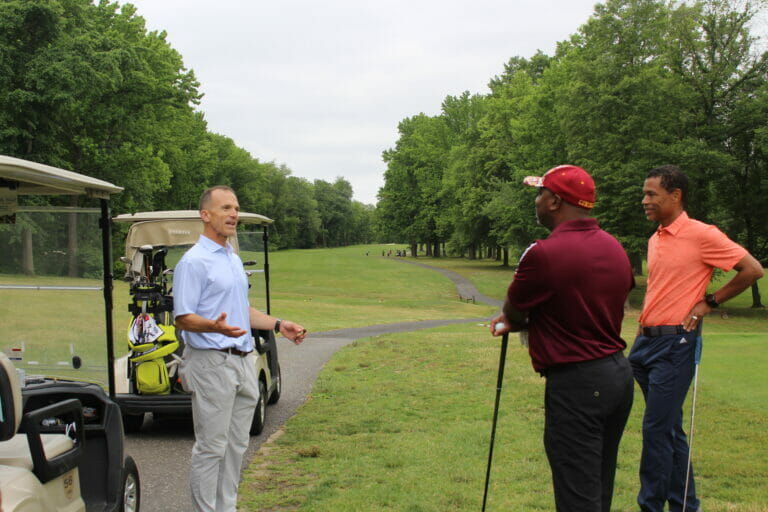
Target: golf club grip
pixel 500 379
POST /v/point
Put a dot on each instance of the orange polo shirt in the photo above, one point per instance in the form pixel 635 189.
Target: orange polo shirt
pixel 681 259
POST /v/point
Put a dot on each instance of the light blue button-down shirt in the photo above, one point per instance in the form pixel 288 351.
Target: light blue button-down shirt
pixel 208 280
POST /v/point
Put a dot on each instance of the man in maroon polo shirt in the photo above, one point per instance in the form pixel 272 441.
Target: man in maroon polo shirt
pixel 569 292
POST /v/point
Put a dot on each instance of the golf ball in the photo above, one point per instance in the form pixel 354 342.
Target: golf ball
pixel 499 326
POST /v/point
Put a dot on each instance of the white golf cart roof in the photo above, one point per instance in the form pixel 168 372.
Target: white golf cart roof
pixel 28 178
pixel 171 228
pixel 245 217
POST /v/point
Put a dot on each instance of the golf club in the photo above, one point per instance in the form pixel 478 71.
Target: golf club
pixel 504 340
pixel 696 360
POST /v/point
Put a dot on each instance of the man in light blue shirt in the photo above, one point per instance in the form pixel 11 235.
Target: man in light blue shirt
pixel 219 369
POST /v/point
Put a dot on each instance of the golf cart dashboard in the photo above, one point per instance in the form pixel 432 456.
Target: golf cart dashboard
pixel 42 393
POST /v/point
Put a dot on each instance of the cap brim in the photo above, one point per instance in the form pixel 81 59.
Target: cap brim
pixel 533 181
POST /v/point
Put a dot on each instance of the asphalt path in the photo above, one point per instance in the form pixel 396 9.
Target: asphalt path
pixel 163 446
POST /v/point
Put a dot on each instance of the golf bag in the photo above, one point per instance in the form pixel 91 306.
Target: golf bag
pixel 154 346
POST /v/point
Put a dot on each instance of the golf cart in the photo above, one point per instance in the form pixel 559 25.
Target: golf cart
pixel 61 434
pixel 146 376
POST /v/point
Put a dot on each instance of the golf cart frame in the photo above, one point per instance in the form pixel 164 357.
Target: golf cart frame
pixel 149 238
pixel 94 472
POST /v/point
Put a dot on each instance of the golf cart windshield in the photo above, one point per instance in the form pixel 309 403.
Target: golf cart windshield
pixel 55 298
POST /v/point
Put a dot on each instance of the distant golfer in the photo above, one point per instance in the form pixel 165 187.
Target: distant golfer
pixel 212 308
pixel 569 292
pixel 682 255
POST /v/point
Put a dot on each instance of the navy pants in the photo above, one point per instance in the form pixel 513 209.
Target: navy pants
pixel 664 367
pixel 587 405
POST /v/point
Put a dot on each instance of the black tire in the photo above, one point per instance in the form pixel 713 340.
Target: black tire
pixel 275 396
pixel 132 422
pixel 260 414
pixel 130 490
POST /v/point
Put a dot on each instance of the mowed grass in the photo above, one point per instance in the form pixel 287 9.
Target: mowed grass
pixel 402 422
pixel 326 289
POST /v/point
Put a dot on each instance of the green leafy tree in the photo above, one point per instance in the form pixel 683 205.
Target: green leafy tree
pixel 334 203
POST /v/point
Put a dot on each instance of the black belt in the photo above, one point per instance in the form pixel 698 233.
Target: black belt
pixel 234 351
pixel 663 330
pixel 616 356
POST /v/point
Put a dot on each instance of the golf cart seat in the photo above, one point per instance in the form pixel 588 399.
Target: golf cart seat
pixel 34 450
pixel 37 468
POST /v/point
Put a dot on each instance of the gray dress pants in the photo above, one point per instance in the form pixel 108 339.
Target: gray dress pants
pixel 225 392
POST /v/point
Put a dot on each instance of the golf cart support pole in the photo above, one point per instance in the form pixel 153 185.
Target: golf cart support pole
pixel 106 243
pixel 266 264
pixel 697 359
pixel 502 359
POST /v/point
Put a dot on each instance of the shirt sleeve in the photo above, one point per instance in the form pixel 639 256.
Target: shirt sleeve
pixel 717 250
pixel 530 286
pixel 187 288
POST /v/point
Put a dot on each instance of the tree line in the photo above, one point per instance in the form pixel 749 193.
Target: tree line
pixel 641 84
pixel 84 86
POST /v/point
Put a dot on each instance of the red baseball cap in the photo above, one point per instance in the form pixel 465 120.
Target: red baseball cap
pixel 571 183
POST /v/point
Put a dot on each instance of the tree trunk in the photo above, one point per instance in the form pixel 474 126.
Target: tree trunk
pixel 506 257
pixel 414 249
pixel 636 260
pixel 428 254
pixel 472 253
pixel 27 254
pixel 436 250
pixel 756 302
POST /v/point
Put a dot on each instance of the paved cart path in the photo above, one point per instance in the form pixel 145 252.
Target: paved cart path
pixel 163 446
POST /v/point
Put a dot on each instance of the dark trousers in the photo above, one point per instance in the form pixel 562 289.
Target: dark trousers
pixel 587 405
pixel 664 367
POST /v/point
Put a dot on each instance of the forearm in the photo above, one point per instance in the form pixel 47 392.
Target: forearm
pixel 196 323
pixel 265 322
pixel 518 320
pixel 748 270
pixel 261 321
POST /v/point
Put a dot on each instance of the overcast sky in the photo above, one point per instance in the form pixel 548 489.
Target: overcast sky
pixel 320 86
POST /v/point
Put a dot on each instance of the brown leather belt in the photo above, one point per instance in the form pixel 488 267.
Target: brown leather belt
pixel 234 351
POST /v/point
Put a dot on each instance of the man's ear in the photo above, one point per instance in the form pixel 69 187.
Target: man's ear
pixel 677 195
pixel 205 215
pixel 556 202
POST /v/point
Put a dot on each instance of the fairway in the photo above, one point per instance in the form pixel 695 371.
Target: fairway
pixel 402 422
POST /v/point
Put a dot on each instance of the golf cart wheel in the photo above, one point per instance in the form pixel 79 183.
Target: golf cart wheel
pixel 132 423
pixel 260 414
pixel 275 396
pixel 131 491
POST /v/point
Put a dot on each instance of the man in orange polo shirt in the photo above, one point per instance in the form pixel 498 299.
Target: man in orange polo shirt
pixel 682 254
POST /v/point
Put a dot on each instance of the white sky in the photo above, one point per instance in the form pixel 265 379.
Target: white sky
pixel 321 86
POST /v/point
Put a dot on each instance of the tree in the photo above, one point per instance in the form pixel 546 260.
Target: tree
pixel 334 203
pixel 714 55
pixel 411 202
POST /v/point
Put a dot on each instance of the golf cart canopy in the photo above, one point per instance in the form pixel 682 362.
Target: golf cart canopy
pixel 51 270
pixel 22 177
pixel 172 228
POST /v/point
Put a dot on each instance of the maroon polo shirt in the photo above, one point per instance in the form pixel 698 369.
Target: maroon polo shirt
pixel 573 284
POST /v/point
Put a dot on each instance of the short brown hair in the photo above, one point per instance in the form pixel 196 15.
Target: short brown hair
pixel 205 197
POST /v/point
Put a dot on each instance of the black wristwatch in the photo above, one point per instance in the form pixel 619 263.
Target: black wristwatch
pixel 710 300
pixel 277 325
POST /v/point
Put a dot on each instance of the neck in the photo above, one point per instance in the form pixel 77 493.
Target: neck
pixel 215 237
pixel 672 218
pixel 569 213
